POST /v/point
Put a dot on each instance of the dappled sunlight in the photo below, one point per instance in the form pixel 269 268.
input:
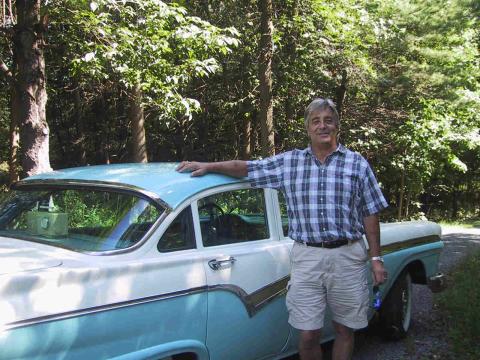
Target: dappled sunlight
pixel 7 313
pixel 50 296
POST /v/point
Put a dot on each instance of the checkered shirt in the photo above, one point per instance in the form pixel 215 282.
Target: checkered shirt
pixel 325 202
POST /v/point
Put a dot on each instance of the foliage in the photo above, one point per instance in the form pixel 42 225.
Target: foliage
pixel 456 302
pixel 146 42
pixel 404 74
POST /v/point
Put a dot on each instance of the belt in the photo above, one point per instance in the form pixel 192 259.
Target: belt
pixel 328 244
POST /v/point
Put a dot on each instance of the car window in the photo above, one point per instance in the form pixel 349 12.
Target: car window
pixel 179 234
pixel 283 212
pixel 233 216
pixel 77 219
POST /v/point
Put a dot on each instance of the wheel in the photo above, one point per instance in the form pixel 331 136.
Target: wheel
pixel 396 310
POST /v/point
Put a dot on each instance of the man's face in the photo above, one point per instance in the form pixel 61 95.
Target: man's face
pixel 322 128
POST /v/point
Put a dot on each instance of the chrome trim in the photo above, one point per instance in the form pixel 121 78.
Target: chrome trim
pixel 217 264
pixel 253 302
pixel 19 185
pixel 102 308
pixel 385 249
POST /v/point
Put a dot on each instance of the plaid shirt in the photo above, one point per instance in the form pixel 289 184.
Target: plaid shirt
pixel 325 202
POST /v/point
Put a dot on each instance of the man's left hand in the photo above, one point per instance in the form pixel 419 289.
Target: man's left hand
pixel 379 274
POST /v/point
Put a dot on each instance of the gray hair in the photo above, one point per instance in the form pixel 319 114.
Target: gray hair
pixel 322 104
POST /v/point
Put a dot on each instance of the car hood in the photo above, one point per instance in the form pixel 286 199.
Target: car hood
pixel 19 256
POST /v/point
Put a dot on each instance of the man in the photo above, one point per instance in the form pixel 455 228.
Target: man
pixel 333 199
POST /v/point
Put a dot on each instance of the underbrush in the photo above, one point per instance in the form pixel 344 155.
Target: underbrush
pixel 470 223
pixel 460 303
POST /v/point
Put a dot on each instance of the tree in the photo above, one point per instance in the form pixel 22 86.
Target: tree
pixel 265 77
pixel 151 48
pixel 27 79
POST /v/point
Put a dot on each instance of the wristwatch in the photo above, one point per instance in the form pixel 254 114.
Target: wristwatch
pixel 377 258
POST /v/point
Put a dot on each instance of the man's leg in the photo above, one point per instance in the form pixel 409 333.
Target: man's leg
pixel 344 340
pixel 310 345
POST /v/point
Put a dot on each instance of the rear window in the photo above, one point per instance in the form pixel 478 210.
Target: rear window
pixel 78 219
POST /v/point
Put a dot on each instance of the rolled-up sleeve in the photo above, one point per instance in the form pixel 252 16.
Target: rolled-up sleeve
pixel 267 173
pixel 373 200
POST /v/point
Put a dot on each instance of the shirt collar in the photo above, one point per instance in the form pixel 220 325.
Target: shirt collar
pixel 340 148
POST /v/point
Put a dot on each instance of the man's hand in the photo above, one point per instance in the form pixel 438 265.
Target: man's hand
pixel 196 168
pixel 235 168
pixel 379 275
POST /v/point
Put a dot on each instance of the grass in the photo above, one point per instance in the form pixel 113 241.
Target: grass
pixel 460 303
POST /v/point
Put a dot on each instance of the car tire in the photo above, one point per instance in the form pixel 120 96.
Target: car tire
pixel 396 310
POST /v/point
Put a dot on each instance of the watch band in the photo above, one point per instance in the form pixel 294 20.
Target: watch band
pixel 377 258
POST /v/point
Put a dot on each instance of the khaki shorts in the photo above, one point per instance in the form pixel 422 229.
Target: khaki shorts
pixel 334 277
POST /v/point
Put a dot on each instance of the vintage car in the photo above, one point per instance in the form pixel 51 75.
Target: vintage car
pixel 138 261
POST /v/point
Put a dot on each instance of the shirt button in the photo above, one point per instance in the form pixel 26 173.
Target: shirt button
pixel 324 229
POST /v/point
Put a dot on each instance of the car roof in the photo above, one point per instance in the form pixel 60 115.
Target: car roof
pixel 159 178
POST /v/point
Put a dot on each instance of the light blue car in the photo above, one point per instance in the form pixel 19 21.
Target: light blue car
pixel 138 261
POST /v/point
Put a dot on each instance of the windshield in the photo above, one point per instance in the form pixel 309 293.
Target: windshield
pixel 77 219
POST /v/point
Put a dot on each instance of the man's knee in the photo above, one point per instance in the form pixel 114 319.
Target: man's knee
pixel 309 338
pixel 342 330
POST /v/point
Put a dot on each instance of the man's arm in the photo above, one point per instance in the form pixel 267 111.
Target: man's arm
pixel 372 233
pixel 235 168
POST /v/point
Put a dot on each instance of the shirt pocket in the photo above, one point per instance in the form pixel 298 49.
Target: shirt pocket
pixel 346 190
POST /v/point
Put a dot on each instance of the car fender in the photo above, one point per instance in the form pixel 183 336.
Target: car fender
pixel 398 261
pixel 168 349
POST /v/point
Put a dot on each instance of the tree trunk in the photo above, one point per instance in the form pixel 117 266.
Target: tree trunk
pixel 30 94
pixel 137 121
pixel 291 46
pixel 13 163
pixel 407 204
pixel 265 77
pixel 340 93
pixel 80 140
pixel 455 194
pixel 246 151
pixel 400 195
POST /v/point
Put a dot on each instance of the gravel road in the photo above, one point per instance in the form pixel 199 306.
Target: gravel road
pixel 426 337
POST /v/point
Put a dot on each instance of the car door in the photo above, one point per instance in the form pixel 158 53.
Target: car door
pixel 247 267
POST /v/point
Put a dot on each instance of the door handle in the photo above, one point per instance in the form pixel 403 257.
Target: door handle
pixel 222 263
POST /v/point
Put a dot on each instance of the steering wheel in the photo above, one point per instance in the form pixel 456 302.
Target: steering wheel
pixel 214 211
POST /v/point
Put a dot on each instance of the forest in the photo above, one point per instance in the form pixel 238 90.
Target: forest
pixel 109 81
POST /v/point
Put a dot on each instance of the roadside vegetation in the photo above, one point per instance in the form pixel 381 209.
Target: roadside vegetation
pixel 463 223
pixel 460 304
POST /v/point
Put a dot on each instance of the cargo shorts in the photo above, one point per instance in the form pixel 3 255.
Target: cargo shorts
pixel 322 277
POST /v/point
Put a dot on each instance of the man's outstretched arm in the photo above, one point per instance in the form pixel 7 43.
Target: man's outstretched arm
pixel 235 168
